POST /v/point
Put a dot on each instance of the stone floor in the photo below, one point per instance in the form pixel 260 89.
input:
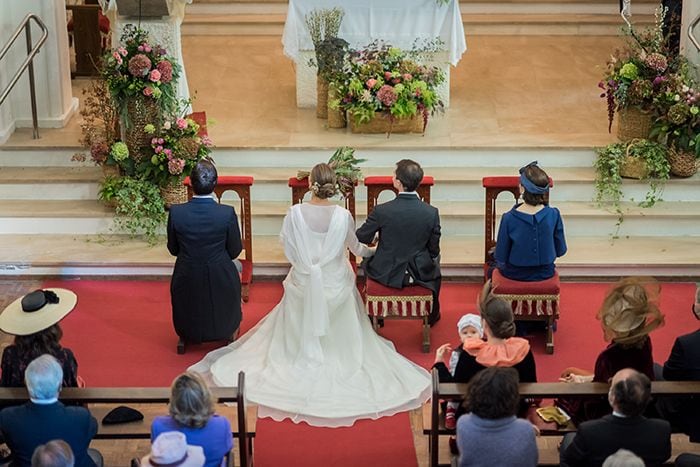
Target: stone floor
pixel 507 91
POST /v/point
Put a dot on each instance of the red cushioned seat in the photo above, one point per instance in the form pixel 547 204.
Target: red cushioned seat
pixel 374 288
pixel 388 180
pixel 505 182
pixel 298 182
pixel 504 286
pixel 411 302
pixel 228 180
pixel 201 119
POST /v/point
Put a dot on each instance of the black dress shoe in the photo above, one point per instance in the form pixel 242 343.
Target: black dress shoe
pixel 433 319
pixel 180 346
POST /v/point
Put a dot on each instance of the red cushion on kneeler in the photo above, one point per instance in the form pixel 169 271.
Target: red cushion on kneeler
pixel 388 301
pixel 296 182
pixel 247 272
pixel 388 180
pixel 528 298
pixel 504 286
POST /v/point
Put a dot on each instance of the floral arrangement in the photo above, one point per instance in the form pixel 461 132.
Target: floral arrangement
pixel 382 78
pixel 677 124
pixel 140 69
pixel 176 149
pixel 640 72
pixel 345 165
pixel 100 125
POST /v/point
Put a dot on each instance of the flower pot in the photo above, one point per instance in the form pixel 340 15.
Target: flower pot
pixel 321 97
pixel 336 117
pixel 141 111
pixel 633 123
pixel 384 123
pixel 174 193
pixel 109 170
pixel 683 164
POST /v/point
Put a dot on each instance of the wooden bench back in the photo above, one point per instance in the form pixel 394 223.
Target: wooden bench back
pixel 541 391
pixel 136 395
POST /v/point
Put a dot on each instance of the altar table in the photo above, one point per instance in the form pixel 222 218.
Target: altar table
pixel 397 22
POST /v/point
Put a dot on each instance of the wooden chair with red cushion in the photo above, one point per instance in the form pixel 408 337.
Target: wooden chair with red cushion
pixel 241 185
pixel 411 302
pixel 531 301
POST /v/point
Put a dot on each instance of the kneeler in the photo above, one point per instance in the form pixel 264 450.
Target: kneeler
pixel 531 301
pixel 411 302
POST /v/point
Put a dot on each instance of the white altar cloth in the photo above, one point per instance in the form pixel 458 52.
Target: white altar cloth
pixel 164 32
pixel 397 22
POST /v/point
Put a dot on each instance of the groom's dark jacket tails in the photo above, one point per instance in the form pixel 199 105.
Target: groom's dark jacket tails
pixel 409 240
pixel 205 288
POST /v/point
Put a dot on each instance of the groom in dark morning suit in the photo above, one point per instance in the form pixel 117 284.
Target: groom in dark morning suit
pixel 205 289
pixel 408 251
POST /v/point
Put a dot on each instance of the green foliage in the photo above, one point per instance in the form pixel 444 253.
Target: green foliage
pixel 140 208
pixel 608 183
pixel 109 188
pixel 345 165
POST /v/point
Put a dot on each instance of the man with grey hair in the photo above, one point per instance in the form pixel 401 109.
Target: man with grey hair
pixel 55 453
pixel 626 428
pixel 623 458
pixel 44 418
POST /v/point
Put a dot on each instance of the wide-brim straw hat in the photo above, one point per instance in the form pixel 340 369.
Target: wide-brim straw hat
pixel 17 318
pixel 630 311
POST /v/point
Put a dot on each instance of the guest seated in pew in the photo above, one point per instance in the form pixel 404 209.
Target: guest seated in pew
pixel 171 449
pixel 626 428
pixel 531 235
pixel 687 460
pixel 192 413
pixel 683 364
pixel 33 320
pixel 628 314
pixel 491 434
pixel 500 349
pixel 468 327
pixel 56 453
pixel 44 418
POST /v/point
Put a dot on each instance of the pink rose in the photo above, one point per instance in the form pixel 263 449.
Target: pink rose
pixel 139 48
pixel 146 47
pixel 159 149
pixel 181 123
pixel 168 152
pixel 122 51
pixel 148 91
pixel 154 76
pixel 395 81
pixel 154 140
pixel 371 83
pixel 117 57
pixel 161 141
pixel 387 75
pixel 407 77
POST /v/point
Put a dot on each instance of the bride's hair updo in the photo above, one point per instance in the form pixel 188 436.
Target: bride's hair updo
pixel 323 182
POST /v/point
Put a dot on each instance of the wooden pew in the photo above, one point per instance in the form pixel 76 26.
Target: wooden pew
pixel 152 402
pixel 434 420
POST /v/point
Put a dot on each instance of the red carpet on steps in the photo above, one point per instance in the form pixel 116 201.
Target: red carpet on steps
pixel 121 334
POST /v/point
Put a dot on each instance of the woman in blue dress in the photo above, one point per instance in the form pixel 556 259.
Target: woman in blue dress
pixel 531 234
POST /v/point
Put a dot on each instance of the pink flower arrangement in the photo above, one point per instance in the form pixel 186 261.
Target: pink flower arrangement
pixel 139 65
pixel 166 71
pixel 117 57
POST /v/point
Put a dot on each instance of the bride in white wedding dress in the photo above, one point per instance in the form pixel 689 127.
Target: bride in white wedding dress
pixel 315 357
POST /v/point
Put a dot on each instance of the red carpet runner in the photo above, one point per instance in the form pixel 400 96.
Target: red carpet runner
pixel 121 334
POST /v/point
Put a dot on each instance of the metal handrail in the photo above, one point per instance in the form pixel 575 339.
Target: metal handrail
pixel 32 51
pixel 626 12
pixel 691 36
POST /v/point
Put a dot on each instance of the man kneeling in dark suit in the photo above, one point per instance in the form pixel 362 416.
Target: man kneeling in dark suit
pixel 409 238
pixel 44 418
pixel 626 428
pixel 205 289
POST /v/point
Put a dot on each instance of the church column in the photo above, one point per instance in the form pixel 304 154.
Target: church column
pixel 55 101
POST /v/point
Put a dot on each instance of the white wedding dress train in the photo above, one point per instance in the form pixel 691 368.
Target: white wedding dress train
pixel 315 357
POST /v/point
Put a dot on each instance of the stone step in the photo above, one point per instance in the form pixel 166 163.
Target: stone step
pixel 82 217
pixel 452 183
pixel 588 257
pixel 604 24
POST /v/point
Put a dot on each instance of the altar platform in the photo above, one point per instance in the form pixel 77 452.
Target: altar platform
pixel 514 99
pixel 507 91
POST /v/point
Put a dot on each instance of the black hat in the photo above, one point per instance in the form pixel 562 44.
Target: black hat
pixel 122 414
